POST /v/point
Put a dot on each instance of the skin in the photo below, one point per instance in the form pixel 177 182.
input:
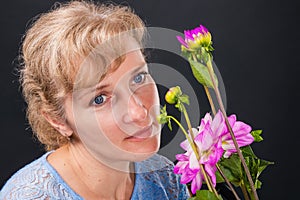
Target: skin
pixel 111 127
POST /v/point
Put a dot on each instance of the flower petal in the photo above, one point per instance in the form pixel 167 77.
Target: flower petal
pixel 211 171
pixel 188 176
pixel 205 140
pixel 240 128
pixel 185 145
pixel 194 163
pixel 196 183
pixel 228 153
pixel 203 29
pixel 180 167
pixel 182 157
pixel 231 120
pixel 181 40
pixel 188 35
pixel 218 124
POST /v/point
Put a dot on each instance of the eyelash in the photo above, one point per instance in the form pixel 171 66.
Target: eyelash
pixel 103 102
pixel 144 74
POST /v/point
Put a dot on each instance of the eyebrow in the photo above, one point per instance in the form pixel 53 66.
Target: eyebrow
pixel 140 66
pixel 93 89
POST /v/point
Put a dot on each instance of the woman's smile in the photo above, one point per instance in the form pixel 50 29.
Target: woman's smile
pixel 141 135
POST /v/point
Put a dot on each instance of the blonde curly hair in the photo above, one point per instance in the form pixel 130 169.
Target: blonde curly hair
pixel 52 50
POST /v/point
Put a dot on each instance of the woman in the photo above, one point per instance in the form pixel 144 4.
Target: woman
pixel 93 104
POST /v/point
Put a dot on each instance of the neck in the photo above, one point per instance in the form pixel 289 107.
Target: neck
pixel 93 179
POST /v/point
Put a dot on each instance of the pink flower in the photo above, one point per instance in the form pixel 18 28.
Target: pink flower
pixel 209 145
pixel 189 168
pixel 242 135
pixel 212 138
pixel 209 149
pixel 196 38
pixel 220 131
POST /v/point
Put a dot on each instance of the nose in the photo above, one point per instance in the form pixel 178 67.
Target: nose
pixel 136 110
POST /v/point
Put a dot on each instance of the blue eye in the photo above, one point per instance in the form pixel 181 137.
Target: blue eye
pixel 100 99
pixel 140 77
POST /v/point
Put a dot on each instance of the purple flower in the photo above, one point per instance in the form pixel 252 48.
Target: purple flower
pixel 196 38
pixel 209 149
pixel 209 144
pixel 189 168
pixel 242 135
pixel 212 138
pixel 240 129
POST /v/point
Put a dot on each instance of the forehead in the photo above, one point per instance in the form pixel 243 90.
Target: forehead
pixel 129 64
pixel 104 60
pixel 133 61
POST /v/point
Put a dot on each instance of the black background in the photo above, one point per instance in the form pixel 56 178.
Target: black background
pixel 256 52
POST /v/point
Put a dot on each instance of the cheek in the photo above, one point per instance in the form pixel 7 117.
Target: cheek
pixel 149 95
pixel 88 124
pixel 110 128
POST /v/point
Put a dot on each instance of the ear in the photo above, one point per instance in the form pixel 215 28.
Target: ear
pixel 60 125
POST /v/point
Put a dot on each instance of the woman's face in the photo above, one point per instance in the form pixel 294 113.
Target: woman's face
pixel 116 119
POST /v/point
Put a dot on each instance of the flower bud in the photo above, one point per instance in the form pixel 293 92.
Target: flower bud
pixel 172 95
pixel 196 39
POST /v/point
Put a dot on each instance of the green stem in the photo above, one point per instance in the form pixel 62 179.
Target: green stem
pixel 244 190
pixel 188 121
pixel 207 92
pixel 211 72
pixel 210 183
pixel 186 135
pixel 207 180
pixel 210 100
pixel 228 183
pixel 219 169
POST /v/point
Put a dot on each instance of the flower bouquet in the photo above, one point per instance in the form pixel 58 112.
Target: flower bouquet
pixel 218 150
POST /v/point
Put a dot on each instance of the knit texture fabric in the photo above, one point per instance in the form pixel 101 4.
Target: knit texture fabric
pixel 39 180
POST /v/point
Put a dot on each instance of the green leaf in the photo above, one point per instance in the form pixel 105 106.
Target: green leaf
pixel 184 99
pixel 201 73
pixel 227 173
pixel 256 134
pixel 219 177
pixel 178 105
pixel 169 124
pixel 257 184
pixel 163 117
pixel 233 163
pixel 187 54
pixel 206 195
pixel 232 168
pixel 247 151
pixel 256 166
pixel 262 165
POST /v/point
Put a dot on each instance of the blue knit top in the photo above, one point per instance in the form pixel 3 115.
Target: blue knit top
pixel 39 180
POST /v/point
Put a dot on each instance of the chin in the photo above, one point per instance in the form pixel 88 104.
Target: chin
pixel 143 150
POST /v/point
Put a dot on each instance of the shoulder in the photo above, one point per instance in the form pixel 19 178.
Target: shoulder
pixel 156 173
pixel 34 181
pixel 154 163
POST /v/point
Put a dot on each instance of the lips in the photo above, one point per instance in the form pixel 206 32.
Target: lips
pixel 141 134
